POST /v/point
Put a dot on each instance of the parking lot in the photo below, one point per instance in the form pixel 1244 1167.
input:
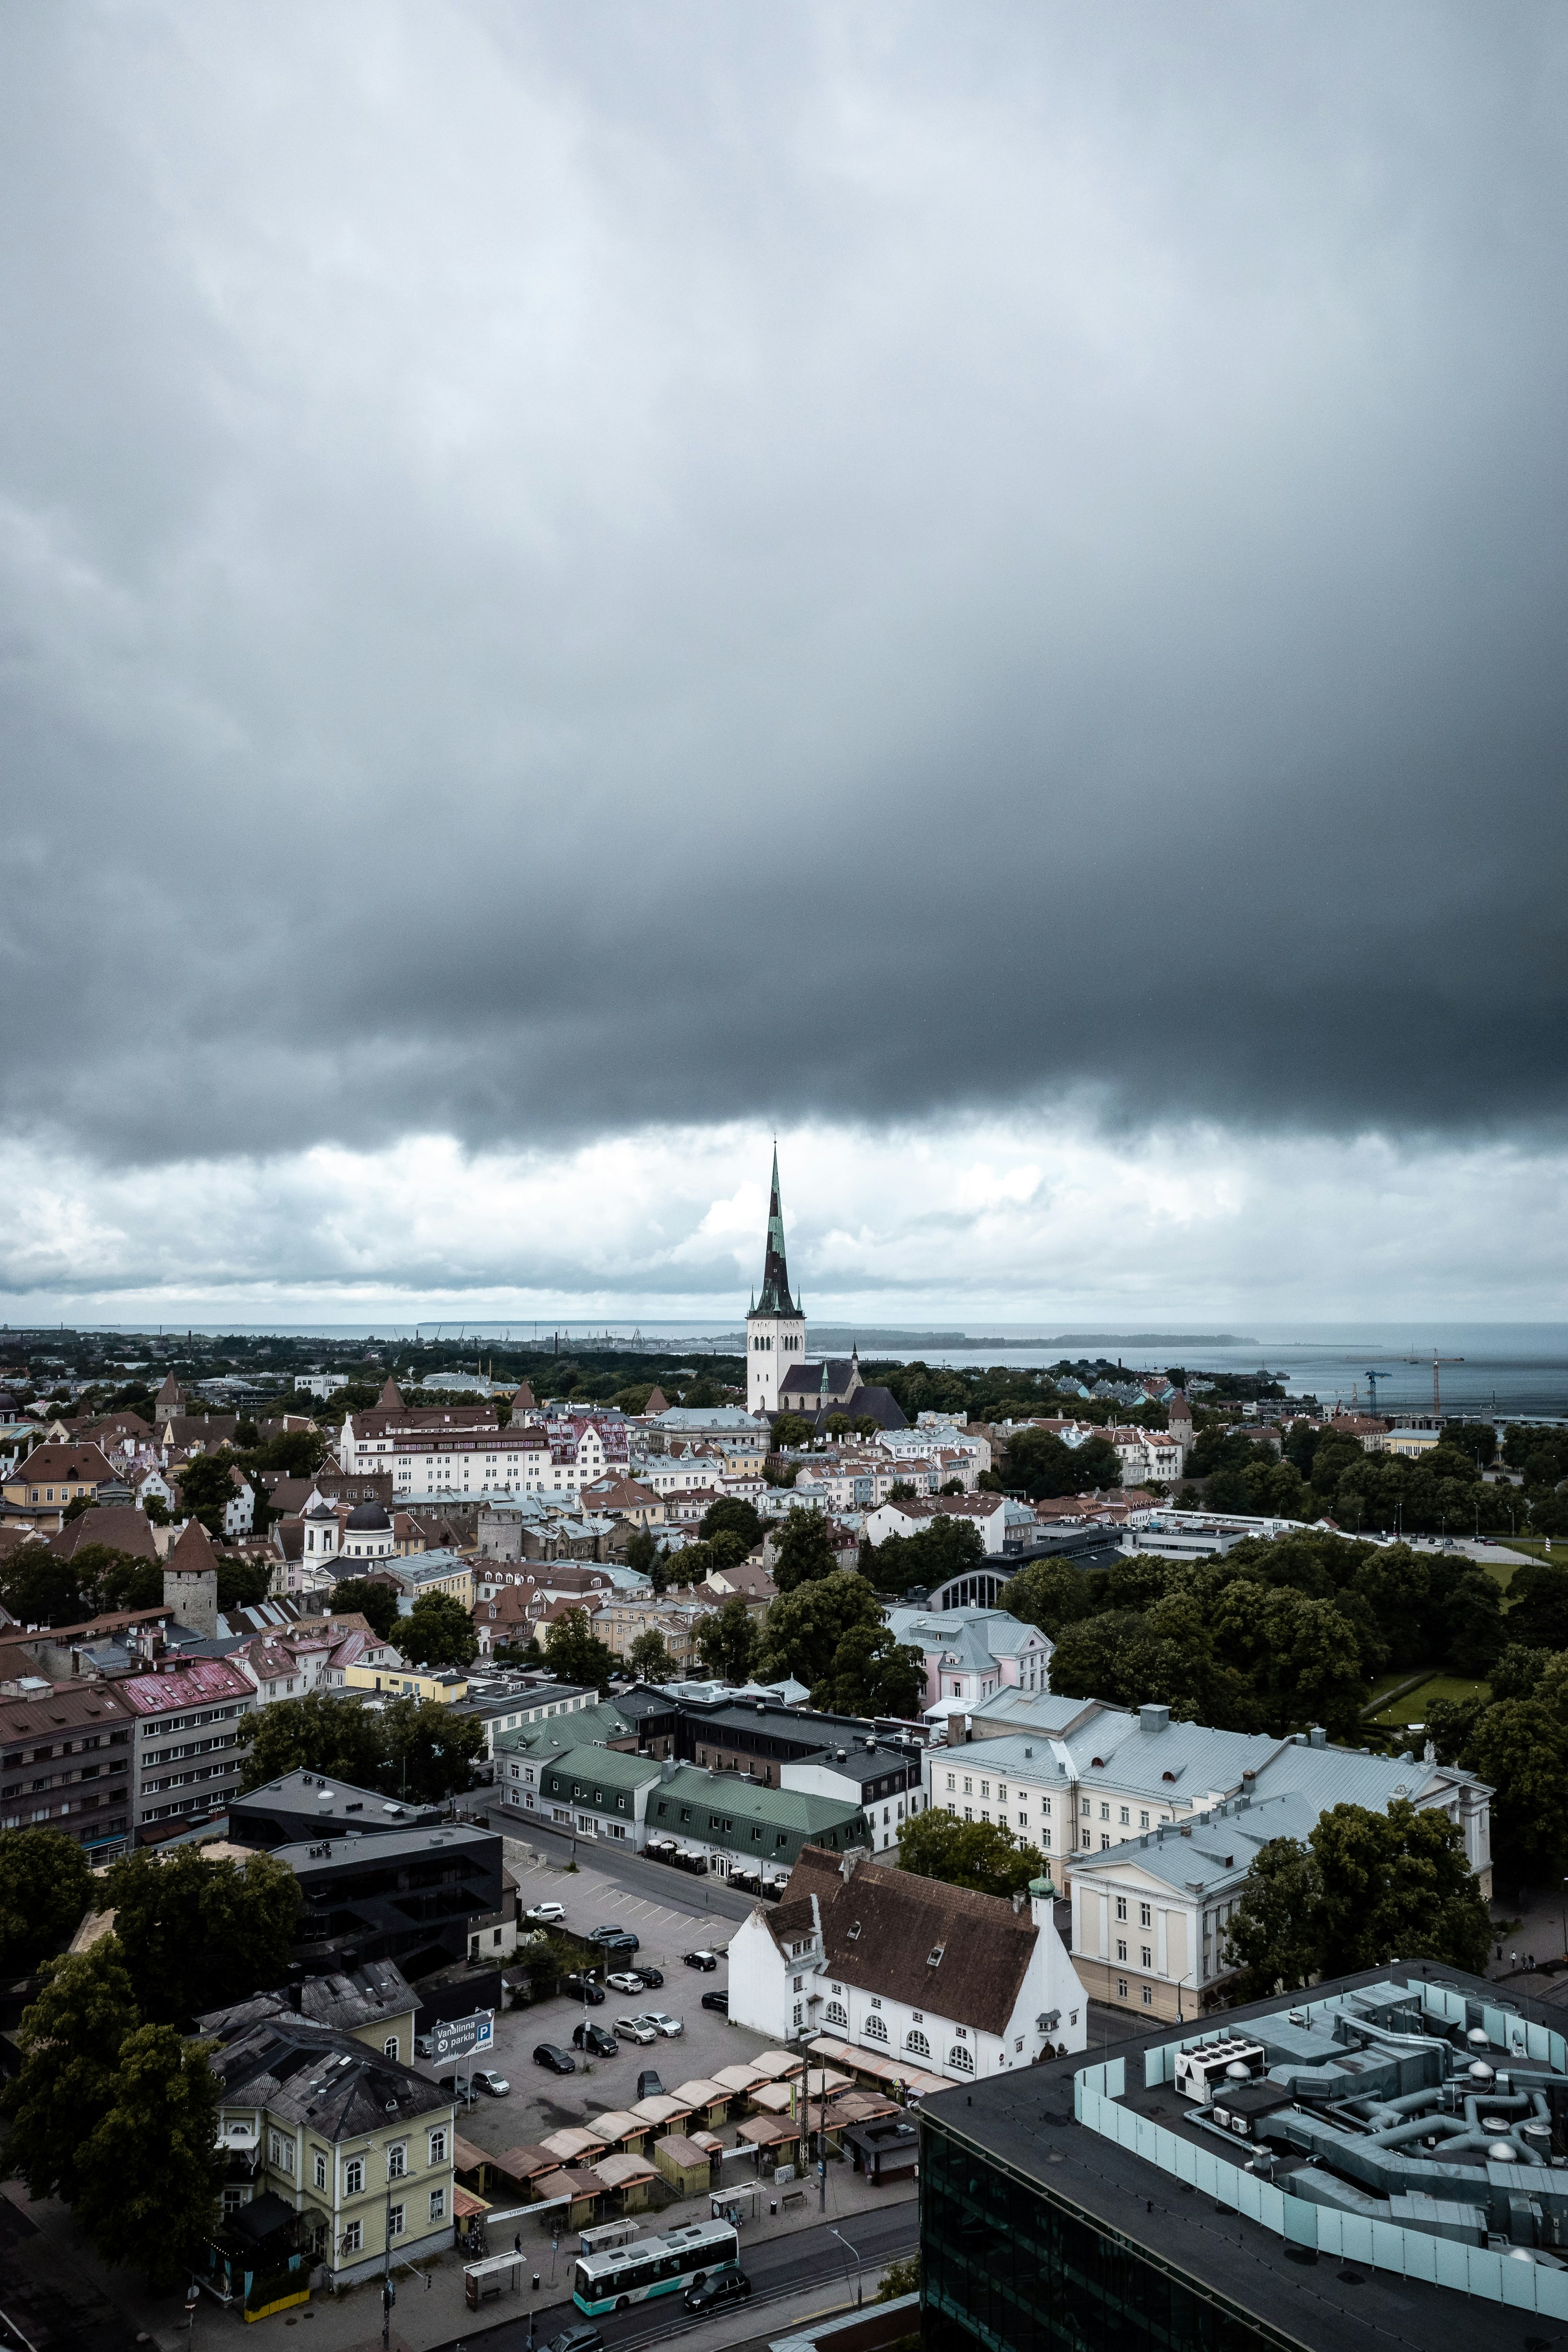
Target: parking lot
pixel 540 2103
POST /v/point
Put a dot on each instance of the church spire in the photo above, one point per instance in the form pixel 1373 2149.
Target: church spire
pixel 775 1298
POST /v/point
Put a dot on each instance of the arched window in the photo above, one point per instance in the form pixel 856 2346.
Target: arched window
pixel 916 2043
pixel 875 2028
pixel 961 2060
pixel 836 2014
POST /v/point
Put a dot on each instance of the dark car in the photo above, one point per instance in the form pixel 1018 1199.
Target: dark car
pixel 596 2038
pixel 722 2286
pixel 651 1979
pixel 559 2061
pixel 719 2001
pixel 614 1939
pixel 581 2338
pixel 584 1988
pixel 701 1959
pixel 648 2084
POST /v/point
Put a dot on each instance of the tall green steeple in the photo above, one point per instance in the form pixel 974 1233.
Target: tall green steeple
pixel 775 1298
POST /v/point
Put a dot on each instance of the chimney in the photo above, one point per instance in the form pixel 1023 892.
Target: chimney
pixel 668 1767
pixel 957 1730
pixel 1153 1719
pixel 1317 1737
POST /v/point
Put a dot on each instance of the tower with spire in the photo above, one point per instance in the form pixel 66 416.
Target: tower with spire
pixel 775 1327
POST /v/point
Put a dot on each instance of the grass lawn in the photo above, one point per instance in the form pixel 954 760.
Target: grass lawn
pixel 1536 1546
pixel 1413 1707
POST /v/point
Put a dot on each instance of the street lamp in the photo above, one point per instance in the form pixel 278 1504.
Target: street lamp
pixel 854 2257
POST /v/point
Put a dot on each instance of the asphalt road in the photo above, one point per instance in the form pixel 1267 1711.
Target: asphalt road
pixel 777 2267
pixel 677 1890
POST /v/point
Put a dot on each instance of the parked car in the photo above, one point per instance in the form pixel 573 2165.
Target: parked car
pixel 559 2061
pixel 648 2084
pixel 652 1979
pixel 425 2043
pixel 596 2038
pixel 581 2338
pixel 709 1960
pixel 614 1939
pixel 626 1980
pixel 636 2029
pixel 485 2079
pixel 719 2286
pixel 661 2022
pixel 543 1912
pixel 582 1987
pixel 719 2001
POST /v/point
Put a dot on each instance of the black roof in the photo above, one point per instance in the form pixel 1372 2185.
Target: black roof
pixel 1026 2123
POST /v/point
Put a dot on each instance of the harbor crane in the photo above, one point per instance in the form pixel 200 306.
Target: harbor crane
pixel 1436 1361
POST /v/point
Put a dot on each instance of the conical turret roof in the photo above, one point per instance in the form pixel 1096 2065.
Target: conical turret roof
pixel 391 1398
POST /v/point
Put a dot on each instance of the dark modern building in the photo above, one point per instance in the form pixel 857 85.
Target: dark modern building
pixel 1381 2161
pixel 409 1896
pixel 312 1805
pixel 758 1736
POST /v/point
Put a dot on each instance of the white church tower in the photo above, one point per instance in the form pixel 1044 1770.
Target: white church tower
pixel 776 1328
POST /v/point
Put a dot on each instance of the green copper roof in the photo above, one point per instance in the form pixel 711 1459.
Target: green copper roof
pixel 775 1298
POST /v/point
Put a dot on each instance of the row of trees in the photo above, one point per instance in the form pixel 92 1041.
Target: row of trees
pixel 114 2108
pixel 411 1748
pixel 1272 1636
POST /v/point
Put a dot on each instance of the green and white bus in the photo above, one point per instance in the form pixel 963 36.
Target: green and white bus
pixel 665 2264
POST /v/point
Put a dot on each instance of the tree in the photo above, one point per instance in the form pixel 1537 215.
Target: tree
pixel 45 1887
pixel 733 1515
pixel 430 1752
pixel 804 1552
pixel 574 1653
pixel 727 1641
pixel 364 1597
pixel 804 1628
pixel 71 2039
pixel 199 1935
pixel 1538 1615
pixel 321 1733
pixel 642 1552
pixel 206 1487
pixel 241 1582
pixel 297 1453
pixel 1273 1937
pixel 1051 1594
pixel 873 1674
pixel 1366 1887
pixel 943 1549
pixel 437 1632
pixel 790 1429
pixel 39 1587
pixel 1521 1747
pixel 650 1658
pixel 980 1855
pixel 1039 1463
pixel 151 2174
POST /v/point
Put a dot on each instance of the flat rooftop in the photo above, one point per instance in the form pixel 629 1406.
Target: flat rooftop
pixel 1385 2157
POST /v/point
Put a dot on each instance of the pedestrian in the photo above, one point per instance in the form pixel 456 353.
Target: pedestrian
pixel 517 2243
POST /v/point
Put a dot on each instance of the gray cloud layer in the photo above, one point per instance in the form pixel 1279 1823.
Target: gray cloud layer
pixel 566 567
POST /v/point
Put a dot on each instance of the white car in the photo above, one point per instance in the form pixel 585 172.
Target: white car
pixel 547 1912
pixel 660 2021
pixel 636 2029
pixel 626 1982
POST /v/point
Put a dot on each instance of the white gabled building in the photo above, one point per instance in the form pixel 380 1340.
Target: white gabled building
pixel 936 1977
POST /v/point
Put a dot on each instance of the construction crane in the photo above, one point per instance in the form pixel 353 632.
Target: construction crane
pixel 1436 1359
pixel 1372 1381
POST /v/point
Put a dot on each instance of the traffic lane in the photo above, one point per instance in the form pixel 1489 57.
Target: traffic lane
pixel 677 1889
pixel 775 2265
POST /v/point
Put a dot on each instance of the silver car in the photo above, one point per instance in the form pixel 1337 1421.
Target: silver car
pixel 661 2022
pixel 636 2029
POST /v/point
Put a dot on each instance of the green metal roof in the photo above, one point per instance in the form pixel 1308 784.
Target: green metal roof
pixel 749 1801
pixel 604 1768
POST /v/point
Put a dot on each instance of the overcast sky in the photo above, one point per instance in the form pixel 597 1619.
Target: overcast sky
pixel 981 588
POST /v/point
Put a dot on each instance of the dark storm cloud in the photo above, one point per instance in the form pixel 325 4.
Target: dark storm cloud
pixel 568 568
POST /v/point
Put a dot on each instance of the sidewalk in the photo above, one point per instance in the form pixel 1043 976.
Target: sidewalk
pixel 430 2307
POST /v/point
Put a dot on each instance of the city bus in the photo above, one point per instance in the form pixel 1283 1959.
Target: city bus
pixel 665 2264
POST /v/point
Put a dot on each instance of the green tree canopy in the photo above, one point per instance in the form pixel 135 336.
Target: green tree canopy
pixel 727 1641
pixel 804 1628
pixel 320 1733
pixel 151 2174
pixel 733 1515
pixel 199 1935
pixel 651 1658
pixel 72 2037
pixel 364 1597
pixel 574 1652
pixel 1366 1887
pixel 873 1674
pixel 206 1487
pixel 46 1889
pixel 431 1751
pixel 805 1554
pixel 437 1632
pixel 790 1429
pixel 642 1551
pixel 944 1548
pixel 980 1855
pixel 1051 1594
